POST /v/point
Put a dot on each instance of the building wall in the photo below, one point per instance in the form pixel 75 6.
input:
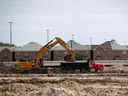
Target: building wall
pixel 120 54
pixel 103 52
pixel 84 54
pixel 59 54
pixel 23 56
pixel 27 56
pixel 6 55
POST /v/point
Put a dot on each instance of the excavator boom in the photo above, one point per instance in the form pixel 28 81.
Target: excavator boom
pixel 37 61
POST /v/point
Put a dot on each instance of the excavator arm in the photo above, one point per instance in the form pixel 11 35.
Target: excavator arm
pixel 41 53
pixel 38 58
pixel 70 53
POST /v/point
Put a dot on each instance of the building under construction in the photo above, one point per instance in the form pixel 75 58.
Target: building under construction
pixel 109 50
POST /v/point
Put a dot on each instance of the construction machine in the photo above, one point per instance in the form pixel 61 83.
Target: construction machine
pixel 37 61
pixel 93 65
pixel 70 65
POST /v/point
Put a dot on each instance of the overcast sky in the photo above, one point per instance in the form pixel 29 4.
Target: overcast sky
pixel 100 19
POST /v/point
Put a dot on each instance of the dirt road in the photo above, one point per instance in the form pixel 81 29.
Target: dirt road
pixel 64 86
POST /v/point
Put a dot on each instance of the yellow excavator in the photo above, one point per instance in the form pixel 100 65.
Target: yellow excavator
pixel 37 61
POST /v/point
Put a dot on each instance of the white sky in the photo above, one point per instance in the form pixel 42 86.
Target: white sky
pixel 100 19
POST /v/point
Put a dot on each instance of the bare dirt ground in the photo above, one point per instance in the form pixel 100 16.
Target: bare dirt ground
pixel 71 85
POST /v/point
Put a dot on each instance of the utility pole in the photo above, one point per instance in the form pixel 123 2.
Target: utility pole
pixel 10 24
pixel 90 43
pixel 73 36
pixel 72 40
pixel 91 52
pixel 48 32
pixel 47 54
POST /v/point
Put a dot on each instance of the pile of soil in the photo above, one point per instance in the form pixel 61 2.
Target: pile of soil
pixel 63 87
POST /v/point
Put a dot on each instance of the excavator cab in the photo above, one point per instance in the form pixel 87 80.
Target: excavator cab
pixel 68 58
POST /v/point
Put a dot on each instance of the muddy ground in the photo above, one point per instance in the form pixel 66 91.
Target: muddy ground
pixel 85 85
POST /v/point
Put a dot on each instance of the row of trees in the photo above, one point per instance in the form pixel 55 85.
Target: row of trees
pixel 6 45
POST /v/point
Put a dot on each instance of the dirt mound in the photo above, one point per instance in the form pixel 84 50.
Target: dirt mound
pixel 66 87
